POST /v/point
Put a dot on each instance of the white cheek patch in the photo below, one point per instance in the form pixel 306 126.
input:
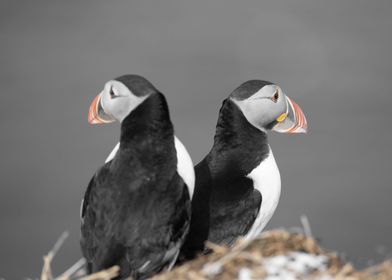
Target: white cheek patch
pixel 184 164
pixel 252 112
pixel 118 88
pixel 124 101
pixel 259 109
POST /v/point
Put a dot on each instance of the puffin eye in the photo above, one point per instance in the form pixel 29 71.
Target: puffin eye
pixel 276 96
pixel 112 94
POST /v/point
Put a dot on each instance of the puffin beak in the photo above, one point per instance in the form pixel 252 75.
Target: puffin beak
pixel 293 120
pixel 96 114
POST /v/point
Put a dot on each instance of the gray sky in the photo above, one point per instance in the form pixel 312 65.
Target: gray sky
pixel 332 57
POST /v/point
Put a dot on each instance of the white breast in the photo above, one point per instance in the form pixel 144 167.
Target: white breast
pixel 266 179
pixel 113 153
pixel 184 164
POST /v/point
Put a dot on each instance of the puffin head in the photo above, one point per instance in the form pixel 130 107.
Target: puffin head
pixel 119 98
pixel 266 106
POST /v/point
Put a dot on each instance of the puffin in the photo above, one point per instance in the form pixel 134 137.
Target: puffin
pixel 137 207
pixel 238 182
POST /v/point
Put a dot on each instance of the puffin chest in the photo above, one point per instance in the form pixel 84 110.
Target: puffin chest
pixel 266 179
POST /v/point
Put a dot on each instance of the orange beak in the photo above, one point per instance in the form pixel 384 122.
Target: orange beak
pixel 96 114
pixel 293 121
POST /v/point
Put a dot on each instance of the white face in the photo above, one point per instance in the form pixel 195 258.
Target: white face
pixel 271 108
pixel 264 106
pixel 118 101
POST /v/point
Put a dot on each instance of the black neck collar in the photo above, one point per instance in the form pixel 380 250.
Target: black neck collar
pixel 151 121
pixel 238 146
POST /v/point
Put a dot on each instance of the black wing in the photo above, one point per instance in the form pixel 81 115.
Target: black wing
pixel 84 203
pixel 232 218
pixel 167 244
pixel 141 242
pixel 89 244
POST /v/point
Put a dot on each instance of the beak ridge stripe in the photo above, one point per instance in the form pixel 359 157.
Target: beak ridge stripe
pixel 299 116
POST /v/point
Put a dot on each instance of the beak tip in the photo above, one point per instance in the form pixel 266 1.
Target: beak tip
pixel 90 118
pixel 92 121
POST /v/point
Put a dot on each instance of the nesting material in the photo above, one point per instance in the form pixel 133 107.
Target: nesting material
pixel 275 255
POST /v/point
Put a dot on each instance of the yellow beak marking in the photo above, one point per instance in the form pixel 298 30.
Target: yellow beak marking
pixel 282 117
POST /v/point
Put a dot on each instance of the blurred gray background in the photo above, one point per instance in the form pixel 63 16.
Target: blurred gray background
pixel 332 57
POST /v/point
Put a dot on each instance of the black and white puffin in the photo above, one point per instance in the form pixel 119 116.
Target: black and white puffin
pixel 238 182
pixel 136 209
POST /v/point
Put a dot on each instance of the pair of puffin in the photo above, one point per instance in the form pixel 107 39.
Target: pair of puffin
pixel 147 205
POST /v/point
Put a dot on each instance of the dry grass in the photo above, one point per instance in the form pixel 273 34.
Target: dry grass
pixel 227 263
pixel 77 271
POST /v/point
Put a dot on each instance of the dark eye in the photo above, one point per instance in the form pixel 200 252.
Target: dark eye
pixel 276 96
pixel 112 94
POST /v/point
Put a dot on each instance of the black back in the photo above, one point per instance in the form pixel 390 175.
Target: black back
pixel 221 179
pixel 200 222
pixel 137 209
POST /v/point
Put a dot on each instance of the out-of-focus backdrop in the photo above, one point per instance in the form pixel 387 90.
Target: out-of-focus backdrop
pixel 332 57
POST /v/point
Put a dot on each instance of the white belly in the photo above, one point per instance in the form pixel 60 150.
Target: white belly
pixel 266 179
